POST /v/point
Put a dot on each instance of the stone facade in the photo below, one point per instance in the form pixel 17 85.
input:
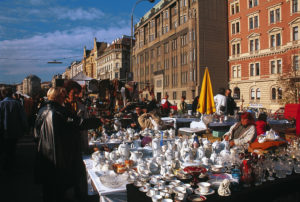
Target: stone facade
pixel 76 67
pixel 263 46
pixel 31 85
pixel 114 62
pixel 175 41
pixel 89 58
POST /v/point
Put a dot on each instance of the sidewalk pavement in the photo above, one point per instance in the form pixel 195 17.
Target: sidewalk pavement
pixel 17 185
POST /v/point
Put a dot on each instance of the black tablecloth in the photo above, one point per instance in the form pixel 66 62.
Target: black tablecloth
pixel 280 190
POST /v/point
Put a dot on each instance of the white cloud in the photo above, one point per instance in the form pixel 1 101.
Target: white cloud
pixel 36 2
pixel 77 14
pixel 50 46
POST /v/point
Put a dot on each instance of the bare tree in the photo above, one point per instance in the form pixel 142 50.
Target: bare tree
pixel 290 83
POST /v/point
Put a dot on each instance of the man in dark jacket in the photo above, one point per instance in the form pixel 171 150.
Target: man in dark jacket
pixel 230 103
pixel 13 125
pixel 59 165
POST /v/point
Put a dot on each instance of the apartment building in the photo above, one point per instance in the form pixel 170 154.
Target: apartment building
pixel 76 67
pixel 114 63
pixel 175 41
pixel 89 58
pixel 263 46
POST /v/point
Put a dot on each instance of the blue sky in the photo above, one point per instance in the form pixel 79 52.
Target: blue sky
pixel 33 32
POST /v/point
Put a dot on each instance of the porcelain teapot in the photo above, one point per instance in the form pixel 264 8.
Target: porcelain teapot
pixel 153 167
pixel 124 150
pixel 136 155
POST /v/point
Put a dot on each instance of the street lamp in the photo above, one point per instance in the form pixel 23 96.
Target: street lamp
pixel 131 41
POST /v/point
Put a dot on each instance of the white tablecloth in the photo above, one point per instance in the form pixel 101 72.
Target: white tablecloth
pixel 105 194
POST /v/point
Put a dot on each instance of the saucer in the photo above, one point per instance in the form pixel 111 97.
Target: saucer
pixel 149 195
pixel 151 182
pixel 143 190
pixel 211 191
pixel 135 184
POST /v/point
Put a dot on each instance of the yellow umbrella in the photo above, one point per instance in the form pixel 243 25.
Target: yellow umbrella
pixel 206 102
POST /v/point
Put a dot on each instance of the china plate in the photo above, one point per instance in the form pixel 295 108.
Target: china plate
pixel 211 191
pixel 143 190
pixel 196 198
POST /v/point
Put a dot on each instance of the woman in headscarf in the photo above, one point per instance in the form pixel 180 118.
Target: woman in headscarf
pixel 242 132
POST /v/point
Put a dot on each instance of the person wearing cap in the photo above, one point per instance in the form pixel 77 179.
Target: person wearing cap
pixel 182 106
pixel 243 132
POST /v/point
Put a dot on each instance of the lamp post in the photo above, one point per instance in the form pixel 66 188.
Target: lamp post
pixel 131 40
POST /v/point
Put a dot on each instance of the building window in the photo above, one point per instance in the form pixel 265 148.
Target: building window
pixel 236 93
pixel 166 63
pixel 174 61
pixel 273 67
pixel 294 6
pixel 235 7
pixel 251 69
pixel 174 96
pixel 184 77
pixel 253 3
pixel 296 62
pixel 183 40
pixel 236 71
pixel 279 67
pixel 236 48
pixel 279 93
pixel 158 51
pixel 274 15
pixel 116 75
pixel 166 47
pixel 258 94
pixel 273 93
pixel 235 27
pixel 174 44
pixel 295 33
pixel 253 21
pixel 255 69
pixel 252 94
pixel 183 94
pixel 275 40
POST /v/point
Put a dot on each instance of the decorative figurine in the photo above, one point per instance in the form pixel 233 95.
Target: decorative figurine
pixel 224 189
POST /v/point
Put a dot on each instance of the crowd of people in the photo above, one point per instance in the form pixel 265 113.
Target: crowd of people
pixel 60 127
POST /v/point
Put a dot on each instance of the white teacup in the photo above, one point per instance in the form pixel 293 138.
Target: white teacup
pixel 217 168
pixel 204 187
pixel 146 186
pixel 153 192
pixel 156 198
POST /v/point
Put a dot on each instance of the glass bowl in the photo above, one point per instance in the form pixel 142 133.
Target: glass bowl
pixel 112 180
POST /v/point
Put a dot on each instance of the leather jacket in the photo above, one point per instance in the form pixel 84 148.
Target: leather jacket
pixel 59 157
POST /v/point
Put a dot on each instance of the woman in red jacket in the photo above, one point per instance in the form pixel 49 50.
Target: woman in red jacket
pixel 261 124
